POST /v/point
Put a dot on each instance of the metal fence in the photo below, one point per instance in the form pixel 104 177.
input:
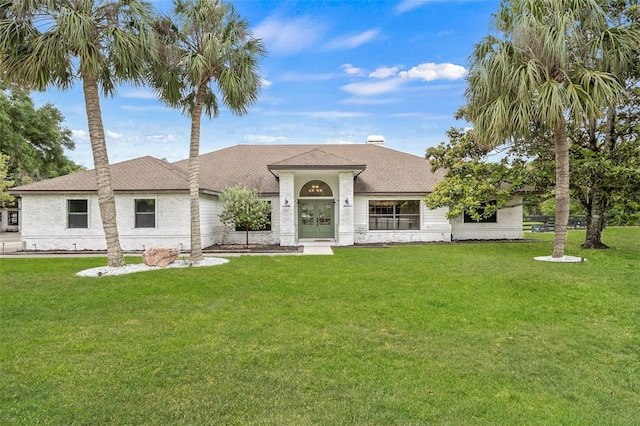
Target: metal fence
pixel 547 223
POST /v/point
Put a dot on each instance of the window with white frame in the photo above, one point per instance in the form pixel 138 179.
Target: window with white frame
pixel 145 213
pixel 392 215
pixel 77 214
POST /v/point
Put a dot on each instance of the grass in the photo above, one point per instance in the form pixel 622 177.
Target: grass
pixel 435 334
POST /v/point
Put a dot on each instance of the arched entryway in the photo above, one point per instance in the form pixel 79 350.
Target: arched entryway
pixel 316 211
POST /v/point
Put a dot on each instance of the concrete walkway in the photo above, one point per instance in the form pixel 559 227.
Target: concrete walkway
pixel 317 247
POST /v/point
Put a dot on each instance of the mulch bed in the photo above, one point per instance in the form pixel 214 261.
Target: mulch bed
pixel 251 248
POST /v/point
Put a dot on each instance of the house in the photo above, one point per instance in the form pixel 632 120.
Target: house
pixel 352 194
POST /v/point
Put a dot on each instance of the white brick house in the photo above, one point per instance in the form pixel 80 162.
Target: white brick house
pixel 352 194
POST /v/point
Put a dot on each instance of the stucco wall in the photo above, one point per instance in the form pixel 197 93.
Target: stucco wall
pixel 507 227
pixel 434 225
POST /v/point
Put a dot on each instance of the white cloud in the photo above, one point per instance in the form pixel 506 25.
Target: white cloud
pixel 431 71
pixel 113 135
pixel 136 108
pixel 384 72
pixel 351 70
pixel 368 88
pixel 139 94
pixel 353 41
pixel 80 135
pixel 295 76
pixel 264 139
pixel 286 37
pixel 331 114
pixel 162 138
pixel 409 5
pixel 265 83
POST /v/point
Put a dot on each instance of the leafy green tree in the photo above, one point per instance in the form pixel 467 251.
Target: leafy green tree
pixel 208 55
pixel 5 183
pixel 100 43
pixel 243 207
pixel 471 181
pixel 33 138
pixel 549 67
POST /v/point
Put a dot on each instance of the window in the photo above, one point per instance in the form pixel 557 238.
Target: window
pixel 12 218
pixel 77 214
pixel 146 213
pixel 264 228
pixel 316 188
pixel 491 219
pixel 394 215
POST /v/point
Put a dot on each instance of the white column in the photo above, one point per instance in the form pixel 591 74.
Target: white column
pixel 287 210
pixel 345 207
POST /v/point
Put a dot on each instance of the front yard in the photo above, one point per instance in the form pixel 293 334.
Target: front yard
pixel 475 333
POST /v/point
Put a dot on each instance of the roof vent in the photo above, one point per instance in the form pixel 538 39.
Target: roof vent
pixel 375 140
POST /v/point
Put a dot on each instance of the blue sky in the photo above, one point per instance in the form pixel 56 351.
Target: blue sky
pixel 335 72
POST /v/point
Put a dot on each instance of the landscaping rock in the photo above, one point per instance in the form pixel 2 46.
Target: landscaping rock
pixel 160 256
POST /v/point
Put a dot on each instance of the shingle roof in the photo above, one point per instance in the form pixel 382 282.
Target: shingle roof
pixel 316 159
pixel 140 174
pixel 384 170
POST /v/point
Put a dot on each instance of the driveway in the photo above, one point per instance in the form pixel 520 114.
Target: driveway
pixel 10 242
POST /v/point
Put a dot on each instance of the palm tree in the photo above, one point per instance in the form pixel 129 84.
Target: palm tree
pixel 205 43
pixel 102 43
pixel 544 73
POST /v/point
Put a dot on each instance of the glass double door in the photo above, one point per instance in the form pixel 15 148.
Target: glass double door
pixel 315 219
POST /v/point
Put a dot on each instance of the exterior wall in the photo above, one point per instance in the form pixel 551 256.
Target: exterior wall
pixel 288 210
pixel 434 225
pixel 45 223
pixel 346 228
pixel 507 227
pixel 228 235
pixel 209 220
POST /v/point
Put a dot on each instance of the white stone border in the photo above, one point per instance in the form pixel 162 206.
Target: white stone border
pixel 563 259
pixel 105 271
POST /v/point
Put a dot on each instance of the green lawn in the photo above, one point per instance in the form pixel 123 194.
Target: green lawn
pixel 475 333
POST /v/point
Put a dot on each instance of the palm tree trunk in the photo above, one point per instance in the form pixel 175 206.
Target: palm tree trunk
pixel 562 188
pixel 194 176
pixel 106 200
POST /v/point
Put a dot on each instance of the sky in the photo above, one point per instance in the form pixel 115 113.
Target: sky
pixel 334 72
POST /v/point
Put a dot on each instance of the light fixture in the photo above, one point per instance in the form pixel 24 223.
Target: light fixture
pixel 346 203
pixel 286 203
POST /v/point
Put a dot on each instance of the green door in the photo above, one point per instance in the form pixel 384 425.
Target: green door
pixel 315 219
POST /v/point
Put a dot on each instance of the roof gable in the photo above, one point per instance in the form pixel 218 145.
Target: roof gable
pixel 316 159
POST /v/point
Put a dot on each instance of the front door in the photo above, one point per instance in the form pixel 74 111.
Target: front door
pixel 315 219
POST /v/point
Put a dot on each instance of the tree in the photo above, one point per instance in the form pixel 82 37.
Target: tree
pixel 607 151
pixel 547 70
pixel 243 207
pixel 472 184
pixel 33 138
pixel 47 43
pixel 205 43
pixel 5 197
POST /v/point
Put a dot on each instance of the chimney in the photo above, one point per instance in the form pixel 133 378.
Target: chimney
pixel 375 140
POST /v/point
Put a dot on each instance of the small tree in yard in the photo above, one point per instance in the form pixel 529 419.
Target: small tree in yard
pixel 243 207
